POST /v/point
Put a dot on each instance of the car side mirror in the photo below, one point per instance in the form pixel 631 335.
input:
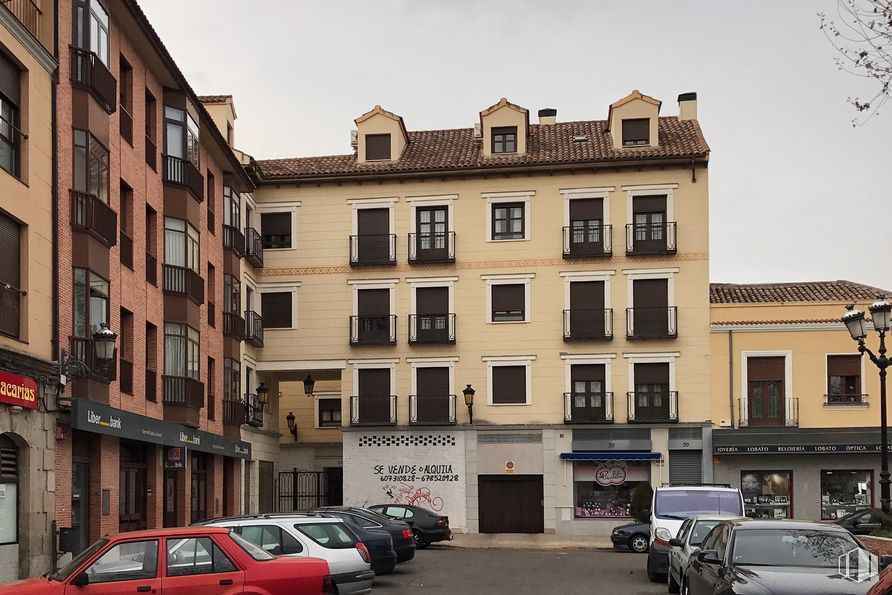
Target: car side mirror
pixel 709 557
pixel 676 542
pixel 885 560
pixel 644 516
pixel 80 579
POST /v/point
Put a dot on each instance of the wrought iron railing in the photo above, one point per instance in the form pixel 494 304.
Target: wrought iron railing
pixel 27 12
pixel 233 240
pixel 588 408
pixel 652 323
pixel 253 411
pixel 234 412
pixel 762 413
pixel 373 330
pixel 432 328
pixel 182 391
pixel 88 71
pixel 370 249
pixel 652 406
pixel 254 247
pixel 183 172
pixel 234 326
pixel 589 240
pixel 431 409
pixel 590 324
pixel 845 399
pixel 254 328
pixel 94 216
pixel 183 281
pixel 373 410
pixel 432 247
pixel 650 238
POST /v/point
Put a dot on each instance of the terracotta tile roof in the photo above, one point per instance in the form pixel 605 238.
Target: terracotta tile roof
pixel 214 98
pixel 778 322
pixel 781 293
pixel 456 149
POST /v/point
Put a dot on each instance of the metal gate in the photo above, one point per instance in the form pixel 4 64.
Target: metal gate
pixel 300 491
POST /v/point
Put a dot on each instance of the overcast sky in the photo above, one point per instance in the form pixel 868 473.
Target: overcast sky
pixel 796 192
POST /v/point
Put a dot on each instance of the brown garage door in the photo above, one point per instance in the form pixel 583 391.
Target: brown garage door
pixel 511 504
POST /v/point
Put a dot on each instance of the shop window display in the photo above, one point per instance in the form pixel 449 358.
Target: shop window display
pixel 604 489
pixel 845 491
pixel 767 494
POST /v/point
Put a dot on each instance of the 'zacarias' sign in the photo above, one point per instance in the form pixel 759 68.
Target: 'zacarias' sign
pixel 18 390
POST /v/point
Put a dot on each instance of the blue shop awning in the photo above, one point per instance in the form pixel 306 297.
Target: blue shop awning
pixel 611 456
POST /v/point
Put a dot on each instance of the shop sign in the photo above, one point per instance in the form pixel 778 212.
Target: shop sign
pixel 175 457
pixel 610 475
pixel 798 449
pixel 509 466
pixel 18 390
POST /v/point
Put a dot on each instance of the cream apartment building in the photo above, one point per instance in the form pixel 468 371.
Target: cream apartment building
pixel 556 272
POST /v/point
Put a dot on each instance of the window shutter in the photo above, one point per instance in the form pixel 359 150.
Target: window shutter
pixel 10 84
pixel 651 373
pixel 649 204
pixel 635 131
pixel 685 467
pixel 509 384
pixel 276 309
pixel 377 146
pixel 276 226
pixel 843 365
pixel 765 368
pixel 507 298
pixel 10 245
pixel 586 209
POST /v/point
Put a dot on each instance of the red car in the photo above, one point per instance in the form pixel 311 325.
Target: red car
pixel 206 560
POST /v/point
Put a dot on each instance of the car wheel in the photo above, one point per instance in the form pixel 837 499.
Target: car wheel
pixel 420 541
pixel 638 543
pixel 674 587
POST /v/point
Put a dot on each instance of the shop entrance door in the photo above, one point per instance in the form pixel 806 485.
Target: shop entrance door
pixel 171 500
pixel 80 505
pixel 765 391
pixel 199 508
pixel 335 478
pixel 132 493
pixel 511 504
pixel 265 486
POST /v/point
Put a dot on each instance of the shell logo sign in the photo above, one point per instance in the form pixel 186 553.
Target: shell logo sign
pixel 18 390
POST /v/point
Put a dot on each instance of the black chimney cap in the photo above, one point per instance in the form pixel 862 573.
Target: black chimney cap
pixel 546 112
pixel 688 97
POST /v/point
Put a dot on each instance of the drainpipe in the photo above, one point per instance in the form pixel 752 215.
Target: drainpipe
pixel 55 186
pixel 731 374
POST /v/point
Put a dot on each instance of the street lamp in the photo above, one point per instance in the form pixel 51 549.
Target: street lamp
pixel 469 401
pixel 74 365
pixel 309 383
pixel 855 322
pixel 262 394
pixel 292 427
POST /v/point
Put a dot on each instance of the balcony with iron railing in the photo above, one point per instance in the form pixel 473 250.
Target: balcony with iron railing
pixel 432 328
pixel 88 72
pixel 253 328
pixel 253 411
pixel 588 324
pixel 254 247
pixel 183 281
pixel 768 412
pixel 182 172
pixel 652 406
pixel 233 240
pixel 845 400
pixel 373 330
pixel 27 12
pixel 650 238
pixel 10 310
pixel 652 323
pixel 373 249
pixel 234 326
pixel 378 410
pixel 234 412
pixel 591 240
pixel 431 410
pixel 431 247
pixel 588 408
pixel 91 215
pixel 183 400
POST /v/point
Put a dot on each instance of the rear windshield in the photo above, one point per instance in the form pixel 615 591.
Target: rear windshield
pixel 333 536
pixel 252 550
pixel 681 504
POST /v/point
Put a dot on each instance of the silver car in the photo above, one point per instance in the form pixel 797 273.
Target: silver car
pixel 686 544
pixel 310 535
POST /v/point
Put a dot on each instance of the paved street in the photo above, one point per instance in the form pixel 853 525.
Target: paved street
pixel 519 572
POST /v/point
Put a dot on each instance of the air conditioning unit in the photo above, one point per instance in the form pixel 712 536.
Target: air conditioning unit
pixel 478 131
pixel 354 138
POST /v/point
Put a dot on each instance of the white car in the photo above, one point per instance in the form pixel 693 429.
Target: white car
pixel 309 535
pixel 687 543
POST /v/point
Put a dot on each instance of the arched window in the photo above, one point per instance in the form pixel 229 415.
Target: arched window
pixel 9 484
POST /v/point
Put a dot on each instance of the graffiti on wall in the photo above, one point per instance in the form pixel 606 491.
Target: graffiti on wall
pixel 416 496
pixel 405 490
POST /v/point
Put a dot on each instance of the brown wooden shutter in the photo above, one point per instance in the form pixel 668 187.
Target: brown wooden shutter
pixel 276 309
pixel 507 298
pixel 10 84
pixel 649 204
pixel 373 302
pixel 432 381
pixel 652 373
pixel 374 382
pixel 275 224
pixel 586 209
pixel 587 295
pixel 651 293
pixel 635 130
pixel 432 300
pixel 377 146
pixel 843 365
pixel 509 384
pixel 10 247
pixel 587 372
pixel 765 368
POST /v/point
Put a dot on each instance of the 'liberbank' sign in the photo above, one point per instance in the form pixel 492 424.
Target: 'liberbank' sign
pixel 102 419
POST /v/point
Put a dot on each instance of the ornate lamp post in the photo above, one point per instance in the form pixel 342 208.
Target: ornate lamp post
pixel 309 384
pixel 468 392
pixel 292 427
pixel 881 315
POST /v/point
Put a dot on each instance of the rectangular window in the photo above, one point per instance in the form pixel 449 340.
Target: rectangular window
pixel 211 195
pixel 212 378
pixel 151 115
pixel 10 84
pixel 232 380
pixel 329 413
pixel 232 295
pixel 508 302
pixel 91 24
pixel 91 169
pixel 605 488
pixel 9 480
pixel 636 132
pixel 508 221
pixel 181 351
pixel 377 147
pixel 232 208
pixel 767 494
pixel 276 230
pixel 181 244
pixel 844 491
pixel 196 555
pixel 10 276
pixel 182 135
pixel 91 308
pixel 844 380
pixel 504 139
pixel 509 384
pixel 276 310
pixel 651 396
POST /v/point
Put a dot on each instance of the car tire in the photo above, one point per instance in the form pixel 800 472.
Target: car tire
pixel 654 577
pixel 420 541
pixel 639 543
pixel 674 587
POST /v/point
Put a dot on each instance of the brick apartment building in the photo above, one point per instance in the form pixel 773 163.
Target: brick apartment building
pixel 142 175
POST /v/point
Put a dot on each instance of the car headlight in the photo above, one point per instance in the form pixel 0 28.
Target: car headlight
pixel 663 534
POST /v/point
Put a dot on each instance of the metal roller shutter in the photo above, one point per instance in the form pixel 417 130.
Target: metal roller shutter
pixel 685 466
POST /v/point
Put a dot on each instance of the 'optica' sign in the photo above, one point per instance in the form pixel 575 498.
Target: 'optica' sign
pixel 18 390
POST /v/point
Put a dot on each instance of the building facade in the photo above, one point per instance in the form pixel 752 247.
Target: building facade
pixel 143 251
pixel 796 407
pixel 559 270
pixel 27 373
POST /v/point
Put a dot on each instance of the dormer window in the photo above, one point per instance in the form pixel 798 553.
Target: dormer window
pixel 636 132
pixel 504 139
pixel 377 147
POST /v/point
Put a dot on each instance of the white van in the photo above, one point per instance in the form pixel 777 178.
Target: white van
pixel 671 505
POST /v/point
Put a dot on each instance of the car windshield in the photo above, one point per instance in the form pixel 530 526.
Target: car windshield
pixel 791 547
pixel 681 504
pixel 701 529
pixel 333 536
pixel 252 550
pixel 65 572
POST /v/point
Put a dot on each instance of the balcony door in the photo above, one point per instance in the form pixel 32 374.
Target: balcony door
pixel 432 320
pixel 432 395
pixel 432 225
pixel 374 395
pixel 651 392
pixel 373 229
pixel 586 309
pixel 588 401
pixel 586 217
pixel 651 307
pixel 373 308
pixel 649 214
pixel 765 391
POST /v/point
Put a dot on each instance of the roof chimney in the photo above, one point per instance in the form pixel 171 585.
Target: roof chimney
pixel 547 115
pixel 687 106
